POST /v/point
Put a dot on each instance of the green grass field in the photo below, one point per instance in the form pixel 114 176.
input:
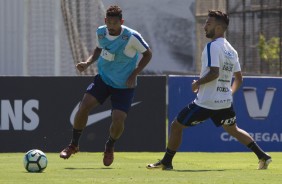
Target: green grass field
pixel 84 167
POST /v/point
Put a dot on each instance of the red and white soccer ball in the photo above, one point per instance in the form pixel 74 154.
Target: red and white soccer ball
pixel 35 161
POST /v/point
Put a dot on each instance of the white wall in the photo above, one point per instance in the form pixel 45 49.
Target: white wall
pixel 11 37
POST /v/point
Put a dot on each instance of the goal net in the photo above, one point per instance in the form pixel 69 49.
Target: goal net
pixel 81 19
pixel 59 34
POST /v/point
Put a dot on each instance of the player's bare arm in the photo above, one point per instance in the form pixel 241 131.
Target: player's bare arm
pixel 237 81
pixel 147 55
pixel 210 76
pixel 84 65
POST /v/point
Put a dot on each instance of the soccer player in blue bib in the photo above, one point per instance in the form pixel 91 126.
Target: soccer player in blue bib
pixel 215 92
pixel 116 54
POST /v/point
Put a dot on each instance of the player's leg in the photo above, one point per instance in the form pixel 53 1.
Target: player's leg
pixel 175 138
pixel 227 118
pixel 117 126
pixel 188 116
pixel 174 141
pixel 116 130
pixel 87 104
pixel 121 102
pixel 243 137
pixel 96 94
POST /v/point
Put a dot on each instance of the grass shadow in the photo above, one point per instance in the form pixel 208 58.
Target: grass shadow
pixel 42 172
pixel 200 170
pixel 87 168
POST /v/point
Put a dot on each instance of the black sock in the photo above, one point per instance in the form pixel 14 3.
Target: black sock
pixel 110 142
pixel 256 149
pixel 76 136
pixel 169 154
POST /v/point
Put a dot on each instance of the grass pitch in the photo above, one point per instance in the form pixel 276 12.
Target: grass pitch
pixel 129 168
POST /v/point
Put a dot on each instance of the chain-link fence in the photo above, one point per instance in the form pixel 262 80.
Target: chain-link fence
pixel 255 31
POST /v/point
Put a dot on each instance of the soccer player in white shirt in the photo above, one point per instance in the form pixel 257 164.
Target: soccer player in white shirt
pixel 214 91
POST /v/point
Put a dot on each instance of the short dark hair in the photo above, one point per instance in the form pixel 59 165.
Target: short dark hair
pixel 114 11
pixel 220 17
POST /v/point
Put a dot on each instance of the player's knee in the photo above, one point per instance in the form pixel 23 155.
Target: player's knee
pixel 88 103
pixel 231 129
pixel 85 107
pixel 118 117
pixel 118 120
pixel 176 126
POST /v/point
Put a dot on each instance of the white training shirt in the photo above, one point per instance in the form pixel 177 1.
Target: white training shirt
pixel 217 94
pixel 136 43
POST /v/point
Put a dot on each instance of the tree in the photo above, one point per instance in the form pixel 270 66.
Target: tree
pixel 269 52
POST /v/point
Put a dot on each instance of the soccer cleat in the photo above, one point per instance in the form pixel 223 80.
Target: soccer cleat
pixel 264 162
pixel 68 151
pixel 108 156
pixel 159 165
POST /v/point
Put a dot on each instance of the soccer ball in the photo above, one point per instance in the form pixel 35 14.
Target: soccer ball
pixel 35 161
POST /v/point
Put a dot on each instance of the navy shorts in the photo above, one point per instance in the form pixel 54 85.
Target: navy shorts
pixel 121 99
pixel 194 114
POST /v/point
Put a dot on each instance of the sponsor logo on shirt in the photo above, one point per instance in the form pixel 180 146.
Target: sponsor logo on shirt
pixel 125 37
pixel 228 54
pixel 222 89
pixel 222 80
pixel 227 66
pixel 222 101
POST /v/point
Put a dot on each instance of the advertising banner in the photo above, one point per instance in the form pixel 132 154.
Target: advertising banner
pixel 258 111
pixel 38 112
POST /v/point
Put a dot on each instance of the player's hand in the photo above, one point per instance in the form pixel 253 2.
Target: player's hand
pixel 195 86
pixel 82 66
pixel 131 81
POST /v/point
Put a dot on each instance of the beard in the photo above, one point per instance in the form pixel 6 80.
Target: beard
pixel 112 32
pixel 210 34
